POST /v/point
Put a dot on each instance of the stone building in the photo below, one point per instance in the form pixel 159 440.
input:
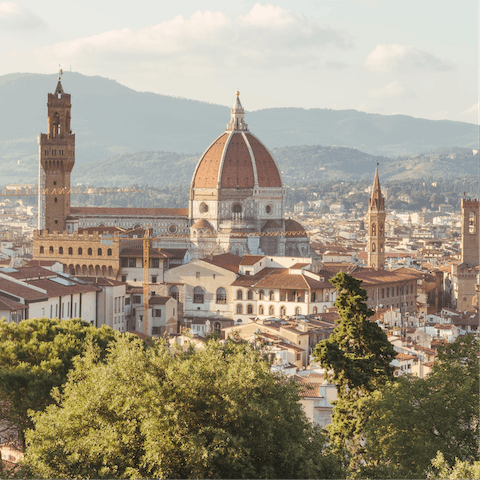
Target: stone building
pixel 237 204
pixel 376 226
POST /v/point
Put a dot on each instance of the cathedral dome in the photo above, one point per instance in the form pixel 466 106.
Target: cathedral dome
pixel 236 159
pixel 294 228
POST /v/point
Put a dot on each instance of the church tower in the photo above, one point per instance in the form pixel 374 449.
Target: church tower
pixel 376 227
pixel 470 235
pixel 56 160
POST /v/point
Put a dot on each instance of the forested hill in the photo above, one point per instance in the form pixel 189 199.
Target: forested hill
pixel 109 118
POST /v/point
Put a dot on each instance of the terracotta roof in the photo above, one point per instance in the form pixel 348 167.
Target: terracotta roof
pixel 309 390
pixel 132 212
pixel 32 272
pixel 251 259
pixel 156 300
pixel 11 305
pixel 298 266
pixel 138 252
pixel 202 224
pixel 251 280
pixel 55 289
pixel 370 276
pixel 271 225
pixel 404 356
pixel 228 163
pixel 176 252
pixel 102 281
pixel 294 226
pixel 21 291
pixel 42 263
pixel 226 260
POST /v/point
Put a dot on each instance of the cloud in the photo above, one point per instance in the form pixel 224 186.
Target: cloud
pixel 470 114
pixel 18 19
pixel 369 3
pixel 394 57
pixel 267 35
pixel 392 90
pixel 335 65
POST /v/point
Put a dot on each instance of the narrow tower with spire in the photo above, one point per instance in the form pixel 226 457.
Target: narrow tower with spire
pixel 376 226
pixel 56 161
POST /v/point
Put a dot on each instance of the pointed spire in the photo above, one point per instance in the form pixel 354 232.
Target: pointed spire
pixel 59 89
pixel 376 200
pixel 237 112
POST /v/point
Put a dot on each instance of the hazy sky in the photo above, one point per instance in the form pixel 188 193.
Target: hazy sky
pixel 415 57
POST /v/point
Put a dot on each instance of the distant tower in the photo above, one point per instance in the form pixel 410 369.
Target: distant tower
pixel 376 226
pixel 56 160
pixel 470 236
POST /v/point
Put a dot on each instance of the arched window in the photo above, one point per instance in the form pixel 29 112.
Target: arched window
pixel 42 250
pixel 327 297
pixel 261 295
pixel 239 295
pixel 271 310
pixel 174 292
pixel 282 311
pixel 109 252
pixel 374 229
pixel 260 310
pixel 50 249
pixel 315 310
pixel 70 250
pixel 239 309
pixel 374 247
pixel 472 224
pixel 198 295
pixel 221 295
pixel 99 252
pixel 250 295
pixel 80 250
pixel 217 327
pixel 271 296
pixel 90 251
pixel 298 311
pixel 314 297
pixel 249 309
pixel 60 250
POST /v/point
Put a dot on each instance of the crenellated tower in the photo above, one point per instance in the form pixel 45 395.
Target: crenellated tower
pixel 56 161
pixel 376 226
pixel 470 232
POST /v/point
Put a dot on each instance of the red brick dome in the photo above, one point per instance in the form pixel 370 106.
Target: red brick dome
pixel 236 159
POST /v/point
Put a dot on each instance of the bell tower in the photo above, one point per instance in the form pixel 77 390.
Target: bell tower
pixel 470 232
pixel 56 160
pixel 376 226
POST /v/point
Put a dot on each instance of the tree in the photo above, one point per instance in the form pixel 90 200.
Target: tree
pixel 409 421
pixel 358 355
pixel 459 471
pixel 35 356
pixel 213 413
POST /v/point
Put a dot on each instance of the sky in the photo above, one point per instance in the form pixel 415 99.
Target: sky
pixel 411 57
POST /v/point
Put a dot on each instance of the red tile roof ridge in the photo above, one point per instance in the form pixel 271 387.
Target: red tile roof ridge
pixel 251 259
pixel 174 212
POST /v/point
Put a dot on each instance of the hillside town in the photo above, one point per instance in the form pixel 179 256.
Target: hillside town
pixel 236 263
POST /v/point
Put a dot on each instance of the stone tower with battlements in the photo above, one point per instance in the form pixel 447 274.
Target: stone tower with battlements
pixel 470 234
pixel 56 160
pixel 376 227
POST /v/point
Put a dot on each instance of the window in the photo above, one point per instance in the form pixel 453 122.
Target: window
pixel 271 310
pixel 221 296
pixel 154 263
pixel 42 250
pixel 50 249
pixel 314 297
pixel 137 299
pixel 250 295
pixel 239 309
pixel 249 309
pixel 80 250
pixel 298 311
pixel 99 252
pixel 271 296
pixel 70 250
pixel 198 295
pixel 315 310
pixel 60 250
pixel 388 292
pixel 155 330
pixel 237 208
pixel 217 327
pixel 197 274
pixel 174 292
pixel 154 279
pixel 56 200
pixel 261 295
pixel 132 262
pixel 157 313
pixel 247 272
pixel 383 293
pixel 260 310
pixel 127 301
pixel 327 296
pixel 282 311
pixel 239 295
pixel 90 251
pixel 109 252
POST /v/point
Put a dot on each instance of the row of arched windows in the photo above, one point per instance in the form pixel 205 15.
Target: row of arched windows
pixel 261 295
pixel 79 251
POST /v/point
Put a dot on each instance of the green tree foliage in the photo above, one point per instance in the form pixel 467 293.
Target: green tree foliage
pixel 409 421
pixel 35 356
pixel 358 354
pixel 214 413
pixel 459 471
